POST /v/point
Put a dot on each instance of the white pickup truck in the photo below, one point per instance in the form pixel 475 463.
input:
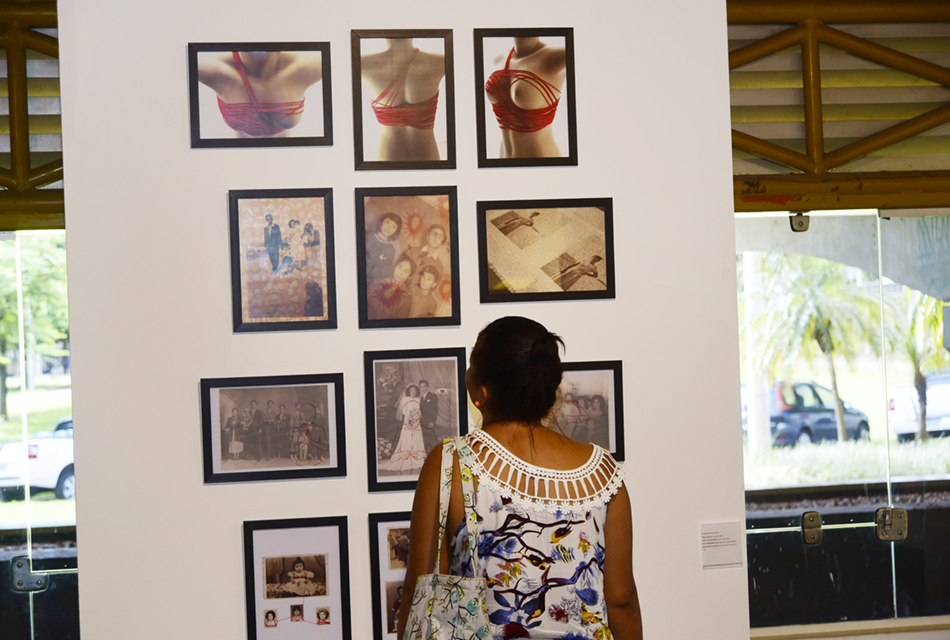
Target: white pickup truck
pixel 45 462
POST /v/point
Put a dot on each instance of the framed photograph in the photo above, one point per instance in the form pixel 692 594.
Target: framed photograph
pixel 525 97
pixel 589 405
pixel 414 400
pixel 282 264
pixel 296 575
pixel 407 251
pixel 545 250
pixel 403 99
pixel 260 94
pixel 273 428
pixel 388 556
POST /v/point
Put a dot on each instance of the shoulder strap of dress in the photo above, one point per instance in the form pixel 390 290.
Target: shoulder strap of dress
pixel 468 496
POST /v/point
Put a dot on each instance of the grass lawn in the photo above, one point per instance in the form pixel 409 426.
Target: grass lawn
pixel 44 509
pixel 830 462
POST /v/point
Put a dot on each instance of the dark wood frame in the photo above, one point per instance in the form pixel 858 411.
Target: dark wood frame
pixel 252 526
pixel 453 238
pixel 376 568
pixel 338 430
pixel 482 114
pixel 239 325
pixel 369 359
pixel 194 48
pixel 362 164
pixel 616 402
pixel 485 293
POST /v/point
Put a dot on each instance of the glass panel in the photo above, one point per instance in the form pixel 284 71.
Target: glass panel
pixel 915 255
pixel 845 577
pixel 37 481
pixel 814 417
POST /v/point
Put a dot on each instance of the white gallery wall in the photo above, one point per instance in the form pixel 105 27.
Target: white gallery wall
pixel 160 552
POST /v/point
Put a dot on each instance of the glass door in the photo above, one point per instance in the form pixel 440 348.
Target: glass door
pixel 814 346
pixel 37 475
pixel 915 260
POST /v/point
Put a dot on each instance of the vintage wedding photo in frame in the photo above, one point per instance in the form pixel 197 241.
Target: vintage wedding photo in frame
pixel 254 94
pixel 589 404
pixel 282 263
pixel 407 251
pixel 388 556
pixel 545 250
pixel 273 428
pixel 525 97
pixel 403 99
pixel 296 575
pixel 414 400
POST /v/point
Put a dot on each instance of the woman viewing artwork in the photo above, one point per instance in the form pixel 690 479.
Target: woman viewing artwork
pixel 552 516
pixel 403 87
pixel 527 112
pixel 260 94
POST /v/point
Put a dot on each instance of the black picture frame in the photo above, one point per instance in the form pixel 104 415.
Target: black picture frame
pixel 588 382
pixel 388 376
pixel 385 301
pixel 545 250
pixel 387 578
pixel 489 50
pixel 211 130
pixel 321 545
pixel 239 448
pixel 367 131
pixel 301 270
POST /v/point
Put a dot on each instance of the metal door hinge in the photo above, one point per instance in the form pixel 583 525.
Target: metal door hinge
pixel 891 524
pixel 811 527
pixel 23 579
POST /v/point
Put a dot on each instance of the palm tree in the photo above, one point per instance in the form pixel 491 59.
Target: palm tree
pixel 921 332
pixel 811 307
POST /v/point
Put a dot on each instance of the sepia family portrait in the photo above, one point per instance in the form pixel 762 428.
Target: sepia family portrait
pixel 409 269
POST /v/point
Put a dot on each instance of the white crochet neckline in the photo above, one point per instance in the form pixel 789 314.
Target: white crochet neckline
pixel 581 489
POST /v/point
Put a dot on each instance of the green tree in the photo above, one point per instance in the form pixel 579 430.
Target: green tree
pixel 813 308
pixel 920 338
pixel 46 321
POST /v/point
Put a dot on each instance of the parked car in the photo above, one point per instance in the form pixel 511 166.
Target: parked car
pixel 49 459
pixel 804 412
pixel 904 415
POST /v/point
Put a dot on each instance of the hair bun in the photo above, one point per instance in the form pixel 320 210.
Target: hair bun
pixel 543 350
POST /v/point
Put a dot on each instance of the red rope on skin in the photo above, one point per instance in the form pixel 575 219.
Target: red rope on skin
pixel 418 115
pixel 256 118
pixel 509 115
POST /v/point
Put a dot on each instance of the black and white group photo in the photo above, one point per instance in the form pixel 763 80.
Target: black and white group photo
pixel 270 428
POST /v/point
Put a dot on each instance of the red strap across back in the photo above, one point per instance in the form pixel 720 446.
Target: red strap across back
pixel 509 115
pixel 418 115
pixel 256 118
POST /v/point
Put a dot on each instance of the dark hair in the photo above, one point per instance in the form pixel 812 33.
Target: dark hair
pixel 270 614
pixel 424 381
pixel 430 269
pixel 518 361
pixel 603 402
pixel 412 386
pixel 404 257
pixel 445 236
pixel 297 561
pixel 390 216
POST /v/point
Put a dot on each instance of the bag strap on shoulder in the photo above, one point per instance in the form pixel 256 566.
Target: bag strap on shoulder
pixel 449 448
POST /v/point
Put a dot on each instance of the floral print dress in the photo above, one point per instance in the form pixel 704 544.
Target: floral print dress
pixel 540 536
